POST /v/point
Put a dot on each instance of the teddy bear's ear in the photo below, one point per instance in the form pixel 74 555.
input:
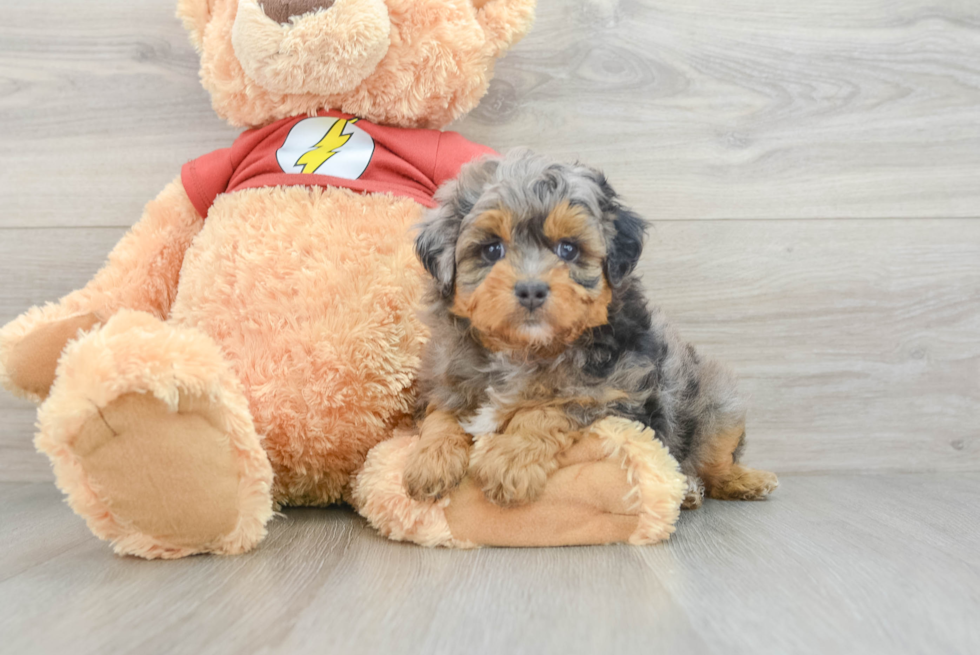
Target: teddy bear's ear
pixel 195 15
pixel 504 22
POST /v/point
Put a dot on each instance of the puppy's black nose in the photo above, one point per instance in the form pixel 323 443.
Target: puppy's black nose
pixel 531 293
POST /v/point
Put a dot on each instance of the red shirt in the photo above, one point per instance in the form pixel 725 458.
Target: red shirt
pixel 331 149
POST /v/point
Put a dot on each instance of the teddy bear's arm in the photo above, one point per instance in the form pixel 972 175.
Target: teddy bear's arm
pixel 141 274
pixel 618 483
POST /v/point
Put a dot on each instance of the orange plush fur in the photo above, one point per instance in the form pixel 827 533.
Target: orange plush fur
pixel 251 360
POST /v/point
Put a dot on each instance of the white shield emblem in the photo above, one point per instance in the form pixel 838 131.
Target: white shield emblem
pixel 327 146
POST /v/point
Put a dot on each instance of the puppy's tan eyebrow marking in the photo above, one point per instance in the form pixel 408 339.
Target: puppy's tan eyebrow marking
pixel 495 221
pixel 567 221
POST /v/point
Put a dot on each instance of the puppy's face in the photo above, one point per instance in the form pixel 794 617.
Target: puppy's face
pixel 531 280
pixel 529 250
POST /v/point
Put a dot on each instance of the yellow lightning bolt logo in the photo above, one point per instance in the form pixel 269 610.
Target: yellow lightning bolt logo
pixel 327 147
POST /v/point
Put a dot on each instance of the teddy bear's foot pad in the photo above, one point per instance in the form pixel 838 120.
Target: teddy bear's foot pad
pixel 151 438
pixel 31 362
pixel 169 475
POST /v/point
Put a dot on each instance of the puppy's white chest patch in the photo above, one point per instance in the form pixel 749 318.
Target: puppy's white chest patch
pixel 485 420
pixel 490 415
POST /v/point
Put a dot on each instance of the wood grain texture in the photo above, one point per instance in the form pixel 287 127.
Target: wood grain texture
pixel 875 564
pixel 857 342
pixel 754 109
pixel 19 460
pixel 702 109
pixel 99 107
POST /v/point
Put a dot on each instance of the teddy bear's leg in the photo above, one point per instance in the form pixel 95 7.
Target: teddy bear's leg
pixel 617 483
pixel 32 360
pixel 151 438
pixel 141 274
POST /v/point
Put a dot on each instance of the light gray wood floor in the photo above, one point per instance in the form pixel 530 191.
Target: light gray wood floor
pixel 831 564
pixel 812 169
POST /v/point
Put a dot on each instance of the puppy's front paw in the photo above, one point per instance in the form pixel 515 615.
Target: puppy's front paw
pixel 694 496
pixel 434 470
pixel 506 483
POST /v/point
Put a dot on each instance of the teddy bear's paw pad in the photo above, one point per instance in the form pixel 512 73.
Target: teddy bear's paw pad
pixel 32 361
pixel 168 476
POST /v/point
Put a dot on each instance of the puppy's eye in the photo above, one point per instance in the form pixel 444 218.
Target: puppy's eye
pixel 493 251
pixel 566 250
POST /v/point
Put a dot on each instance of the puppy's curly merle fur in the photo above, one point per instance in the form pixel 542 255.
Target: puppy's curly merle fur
pixel 540 328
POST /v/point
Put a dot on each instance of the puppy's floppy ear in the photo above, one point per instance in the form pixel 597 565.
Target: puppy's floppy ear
pixel 627 245
pixel 624 247
pixel 436 242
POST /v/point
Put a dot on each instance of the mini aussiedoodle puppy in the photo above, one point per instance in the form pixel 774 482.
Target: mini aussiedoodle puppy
pixel 539 329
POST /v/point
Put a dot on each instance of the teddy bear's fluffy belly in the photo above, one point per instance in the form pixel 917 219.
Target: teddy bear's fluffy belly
pixel 313 294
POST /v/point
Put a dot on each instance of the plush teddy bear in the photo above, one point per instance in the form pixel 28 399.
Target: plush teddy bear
pixel 256 333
